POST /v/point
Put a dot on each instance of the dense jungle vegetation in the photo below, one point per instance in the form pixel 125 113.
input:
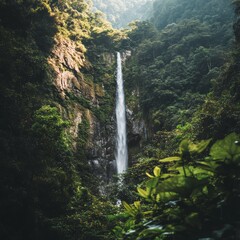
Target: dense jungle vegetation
pixel 44 172
pixel 57 92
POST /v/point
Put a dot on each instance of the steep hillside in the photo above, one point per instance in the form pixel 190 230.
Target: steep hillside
pixel 173 11
pixel 56 103
pixel 224 97
pixel 173 68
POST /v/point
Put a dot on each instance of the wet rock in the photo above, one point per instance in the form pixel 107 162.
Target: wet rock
pixel 101 153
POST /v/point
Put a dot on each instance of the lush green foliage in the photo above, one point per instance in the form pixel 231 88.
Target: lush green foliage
pixel 223 100
pixel 173 69
pixel 46 182
pixel 173 11
pixel 191 197
pixel 48 128
pixel 44 176
pixel 183 82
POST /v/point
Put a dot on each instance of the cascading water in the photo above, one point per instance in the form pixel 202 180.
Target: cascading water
pixel 121 153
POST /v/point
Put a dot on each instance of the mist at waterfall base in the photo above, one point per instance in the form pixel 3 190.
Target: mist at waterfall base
pixel 121 141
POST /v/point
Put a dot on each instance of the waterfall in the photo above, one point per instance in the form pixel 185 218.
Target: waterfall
pixel 121 145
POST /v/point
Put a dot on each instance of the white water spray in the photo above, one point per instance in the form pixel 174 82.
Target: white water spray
pixel 121 153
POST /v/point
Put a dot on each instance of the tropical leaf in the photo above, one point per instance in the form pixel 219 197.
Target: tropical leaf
pixel 167 175
pixel 142 192
pixel 158 197
pixel 199 147
pixel 152 183
pixel 168 196
pixel 149 175
pixel 192 171
pixel 132 210
pixel 128 208
pixel 184 171
pixel 157 171
pixel 170 159
pixel 227 149
pixel 184 146
pixel 207 165
pixel 197 170
pixel 137 204
pixel 181 185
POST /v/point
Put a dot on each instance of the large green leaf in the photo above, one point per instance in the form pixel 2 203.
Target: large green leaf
pixel 130 210
pixel 181 185
pixel 184 146
pixel 152 183
pixel 192 171
pixel 168 196
pixel 133 209
pixel 193 148
pixel 199 147
pixel 149 175
pixel 142 192
pixel 137 204
pixel 157 171
pixel 226 149
pixel 200 173
pixel 208 165
pixel 170 159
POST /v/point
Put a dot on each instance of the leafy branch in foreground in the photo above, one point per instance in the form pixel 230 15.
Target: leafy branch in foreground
pixel 190 196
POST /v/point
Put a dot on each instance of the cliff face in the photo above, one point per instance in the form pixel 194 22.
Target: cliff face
pixel 81 97
pixel 66 61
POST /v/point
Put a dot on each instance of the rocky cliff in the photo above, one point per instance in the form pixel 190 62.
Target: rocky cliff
pixel 80 96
